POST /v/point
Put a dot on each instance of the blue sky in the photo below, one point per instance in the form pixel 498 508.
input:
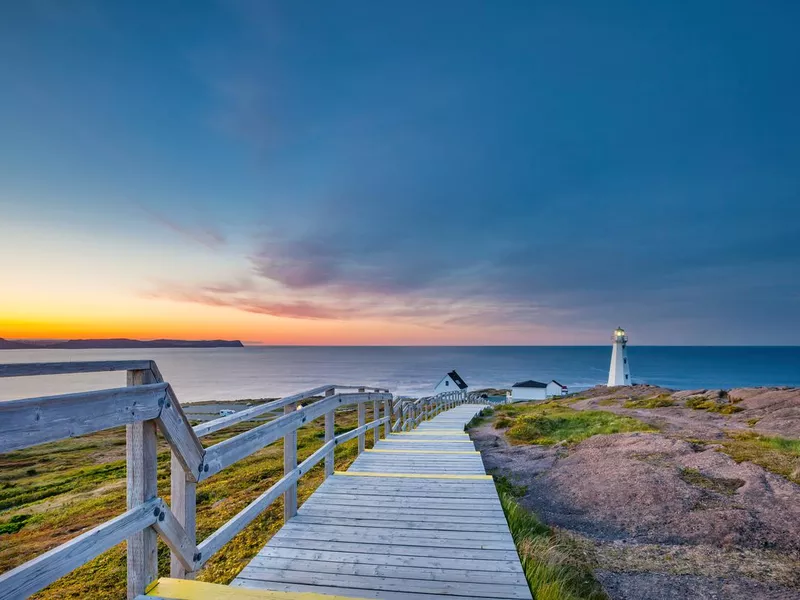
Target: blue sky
pixel 376 172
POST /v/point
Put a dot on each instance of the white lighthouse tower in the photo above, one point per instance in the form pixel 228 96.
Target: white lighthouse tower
pixel 620 371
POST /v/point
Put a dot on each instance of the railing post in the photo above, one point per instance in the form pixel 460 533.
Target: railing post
pixel 330 428
pixel 289 465
pixel 140 451
pixel 388 414
pixel 362 420
pixel 376 415
pixel 183 500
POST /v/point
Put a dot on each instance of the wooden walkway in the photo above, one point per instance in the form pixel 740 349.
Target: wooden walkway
pixel 414 518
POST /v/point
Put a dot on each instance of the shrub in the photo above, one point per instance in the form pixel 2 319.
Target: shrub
pixel 654 402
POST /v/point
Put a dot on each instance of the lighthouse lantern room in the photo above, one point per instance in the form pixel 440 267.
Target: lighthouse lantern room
pixel 620 371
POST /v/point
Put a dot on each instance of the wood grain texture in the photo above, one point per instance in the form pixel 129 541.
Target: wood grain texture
pixel 226 453
pixel 142 475
pixel 43 570
pixel 34 421
pixel 181 437
pixel 175 536
pixel 183 496
pixel 64 368
pixel 289 465
pixel 402 530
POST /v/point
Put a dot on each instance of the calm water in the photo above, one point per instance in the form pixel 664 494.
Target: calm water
pixel 257 372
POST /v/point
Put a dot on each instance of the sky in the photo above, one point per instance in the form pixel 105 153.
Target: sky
pixel 361 172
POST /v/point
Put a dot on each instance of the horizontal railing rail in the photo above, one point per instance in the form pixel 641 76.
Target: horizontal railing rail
pixel 149 403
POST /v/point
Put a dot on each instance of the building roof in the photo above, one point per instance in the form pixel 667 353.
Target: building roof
pixel 530 384
pixel 559 384
pixel 457 378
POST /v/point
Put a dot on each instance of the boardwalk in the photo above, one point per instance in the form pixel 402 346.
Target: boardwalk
pixel 415 518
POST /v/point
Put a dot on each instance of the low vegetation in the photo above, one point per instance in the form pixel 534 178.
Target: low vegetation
pixel 51 493
pixel 654 402
pixel 555 566
pixel 552 423
pixel 722 406
pixel 777 454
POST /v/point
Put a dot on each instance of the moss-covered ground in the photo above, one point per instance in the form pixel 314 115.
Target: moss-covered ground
pixel 550 423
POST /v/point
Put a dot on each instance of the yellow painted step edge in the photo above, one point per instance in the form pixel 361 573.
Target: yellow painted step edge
pixel 411 475
pixel 420 433
pixel 423 451
pixel 185 589
pixel 422 440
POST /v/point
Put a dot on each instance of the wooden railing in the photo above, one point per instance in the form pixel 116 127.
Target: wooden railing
pixel 149 403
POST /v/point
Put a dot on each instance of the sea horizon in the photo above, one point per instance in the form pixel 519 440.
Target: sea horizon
pixel 267 371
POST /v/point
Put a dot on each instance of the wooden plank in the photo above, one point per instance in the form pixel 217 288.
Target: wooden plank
pixel 142 476
pixel 410 475
pixel 394 549
pixel 391 584
pixel 65 368
pixel 455 574
pixel 179 434
pixel 32 421
pixel 337 591
pixel 175 536
pixel 330 427
pixel 359 558
pixel 183 497
pixel 43 570
pixel 289 465
pixel 362 419
pixel 376 415
pixel 330 433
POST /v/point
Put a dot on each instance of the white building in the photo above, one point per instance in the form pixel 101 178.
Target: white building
pixel 620 371
pixel 452 382
pixel 556 389
pixel 528 390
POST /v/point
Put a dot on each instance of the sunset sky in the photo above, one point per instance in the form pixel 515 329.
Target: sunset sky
pixel 363 172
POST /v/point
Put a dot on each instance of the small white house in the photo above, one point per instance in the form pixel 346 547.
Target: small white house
pixel 528 390
pixel 556 389
pixel 452 382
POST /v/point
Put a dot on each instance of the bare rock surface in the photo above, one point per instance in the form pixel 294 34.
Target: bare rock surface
pixel 658 586
pixel 669 518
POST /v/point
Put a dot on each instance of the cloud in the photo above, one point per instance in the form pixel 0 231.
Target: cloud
pixel 205 235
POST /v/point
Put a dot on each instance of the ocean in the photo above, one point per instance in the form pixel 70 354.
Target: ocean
pixel 274 371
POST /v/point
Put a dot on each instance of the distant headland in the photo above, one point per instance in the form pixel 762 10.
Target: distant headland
pixel 115 343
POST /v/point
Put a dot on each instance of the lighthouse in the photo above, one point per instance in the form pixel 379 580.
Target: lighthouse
pixel 620 371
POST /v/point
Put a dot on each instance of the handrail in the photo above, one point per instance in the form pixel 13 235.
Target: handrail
pixel 149 402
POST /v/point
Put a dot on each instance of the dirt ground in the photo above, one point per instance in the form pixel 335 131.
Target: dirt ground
pixel 666 518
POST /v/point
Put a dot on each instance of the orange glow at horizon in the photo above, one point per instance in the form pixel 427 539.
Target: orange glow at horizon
pixel 159 319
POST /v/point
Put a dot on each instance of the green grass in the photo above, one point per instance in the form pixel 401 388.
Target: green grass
pixel 550 423
pixel 715 406
pixel 51 493
pixel 654 402
pixel 555 566
pixel 776 454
